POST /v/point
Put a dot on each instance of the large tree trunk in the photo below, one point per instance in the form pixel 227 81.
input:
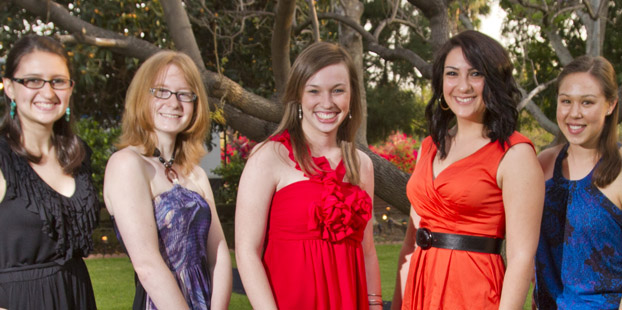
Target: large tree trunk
pixel 282 30
pixel 595 21
pixel 351 40
pixel 181 30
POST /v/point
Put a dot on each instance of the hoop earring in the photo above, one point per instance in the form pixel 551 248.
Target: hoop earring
pixel 300 112
pixel 13 107
pixel 440 104
pixel 67 114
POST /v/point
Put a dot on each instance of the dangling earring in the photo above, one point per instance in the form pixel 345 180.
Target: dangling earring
pixel 350 114
pixel 12 111
pixel 440 103
pixel 300 112
pixel 67 114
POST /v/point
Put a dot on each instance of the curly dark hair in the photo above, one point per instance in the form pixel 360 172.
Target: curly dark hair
pixel 500 95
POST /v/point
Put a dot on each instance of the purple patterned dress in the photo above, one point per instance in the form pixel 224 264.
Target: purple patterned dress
pixel 183 218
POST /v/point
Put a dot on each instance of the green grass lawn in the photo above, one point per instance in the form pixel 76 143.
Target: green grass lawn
pixel 113 280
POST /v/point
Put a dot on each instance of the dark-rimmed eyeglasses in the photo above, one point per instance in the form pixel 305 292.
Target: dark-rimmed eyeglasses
pixel 183 96
pixel 37 83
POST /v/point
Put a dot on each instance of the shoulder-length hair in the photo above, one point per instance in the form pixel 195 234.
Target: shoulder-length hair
pixel 600 69
pixel 70 150
pixel 314 58
pixel 137 124
pixel 500 95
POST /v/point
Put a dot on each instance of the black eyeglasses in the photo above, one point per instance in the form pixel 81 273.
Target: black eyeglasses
pixel 36 83
pixel 183 96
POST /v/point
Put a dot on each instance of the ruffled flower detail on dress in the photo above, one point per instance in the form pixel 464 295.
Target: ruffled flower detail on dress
pixel 343 209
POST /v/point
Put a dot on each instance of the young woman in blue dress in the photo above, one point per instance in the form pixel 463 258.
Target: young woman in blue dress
pixel 579 256
pixel 159 197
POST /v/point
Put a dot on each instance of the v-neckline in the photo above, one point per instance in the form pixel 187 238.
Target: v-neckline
pixel 75 183
pixel 435 175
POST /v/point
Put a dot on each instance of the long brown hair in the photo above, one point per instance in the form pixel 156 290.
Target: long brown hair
pixel 70 150
pixel 314 58
pixel 137 124
pixel 601 69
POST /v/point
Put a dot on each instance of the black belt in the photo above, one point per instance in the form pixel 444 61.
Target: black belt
pixel 427 239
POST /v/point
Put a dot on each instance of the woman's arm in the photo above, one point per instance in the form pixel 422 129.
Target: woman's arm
pixel 403 263
pixel 2 187
pixel 218 258
pixel 522 182
pixel 257 185
pixel 372 270
pixel 127 195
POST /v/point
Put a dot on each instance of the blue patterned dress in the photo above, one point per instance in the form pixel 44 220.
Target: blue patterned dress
pixel 183 219
pixel 579 257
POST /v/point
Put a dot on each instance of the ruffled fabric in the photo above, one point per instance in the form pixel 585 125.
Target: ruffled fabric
pixel 67 220
pixel 343 209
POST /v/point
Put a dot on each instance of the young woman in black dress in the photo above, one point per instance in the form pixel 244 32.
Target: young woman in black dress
pixel 48 205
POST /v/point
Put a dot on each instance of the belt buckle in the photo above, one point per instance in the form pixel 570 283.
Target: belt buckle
pixel 424 238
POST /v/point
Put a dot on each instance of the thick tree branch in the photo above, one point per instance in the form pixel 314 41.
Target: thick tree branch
pixel 390 182
pixel 560 49
pixel 52 11
pixel 538 115
pixel 232 93
pixel 254 128
pixel 99 42
pixel 437 14
pixel 386 53
pixel 181 30
pixel 281 34
pixel 527 98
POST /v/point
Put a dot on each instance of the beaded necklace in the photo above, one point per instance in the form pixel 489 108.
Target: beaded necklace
pixel 171 174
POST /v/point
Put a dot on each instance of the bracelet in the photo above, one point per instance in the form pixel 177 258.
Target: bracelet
pixel 374 295
pixel 375 303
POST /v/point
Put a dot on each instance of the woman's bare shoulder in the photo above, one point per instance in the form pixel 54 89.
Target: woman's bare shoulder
pixel 548 156
pixel 126 161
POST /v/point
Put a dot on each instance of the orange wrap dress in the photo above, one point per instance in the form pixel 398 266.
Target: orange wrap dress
pixel 463 199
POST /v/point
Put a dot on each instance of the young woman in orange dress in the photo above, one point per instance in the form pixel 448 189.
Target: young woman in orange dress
pixel 476 183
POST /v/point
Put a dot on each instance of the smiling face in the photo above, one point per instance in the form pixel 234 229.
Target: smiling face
pixel 171 116
pixel 326 100
pixel 581 109
pixel 463 86
pixel 44 106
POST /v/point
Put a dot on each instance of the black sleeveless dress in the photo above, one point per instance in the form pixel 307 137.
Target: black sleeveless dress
pixel 43 237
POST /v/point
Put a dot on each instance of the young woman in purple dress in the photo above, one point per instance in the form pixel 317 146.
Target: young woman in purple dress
pixel 159 197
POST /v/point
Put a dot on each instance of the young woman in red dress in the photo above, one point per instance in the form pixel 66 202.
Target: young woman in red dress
pixel 302 229
pixel 477 182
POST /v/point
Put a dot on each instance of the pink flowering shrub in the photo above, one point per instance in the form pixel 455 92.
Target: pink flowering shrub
pixel 400 149
pixel 233 158
pixel 236 148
